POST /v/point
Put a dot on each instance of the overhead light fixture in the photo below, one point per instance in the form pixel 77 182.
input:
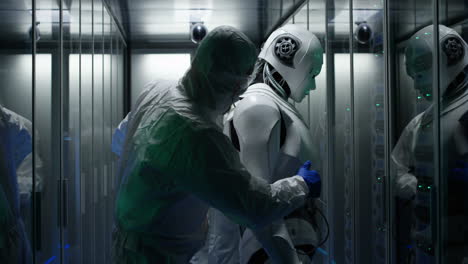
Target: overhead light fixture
pixel 198 31
pixel 363 33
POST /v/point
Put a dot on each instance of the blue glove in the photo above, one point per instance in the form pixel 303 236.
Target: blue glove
pixel 312 178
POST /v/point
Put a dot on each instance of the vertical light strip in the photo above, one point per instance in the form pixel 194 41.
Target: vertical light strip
pixel 104 149
pixel 352 130
pixel 62 203
pixel 103 87
pixel 33 136
pixel 437 163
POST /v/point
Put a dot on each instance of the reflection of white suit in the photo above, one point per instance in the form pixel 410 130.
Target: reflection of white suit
pixel 413 158
pixel 403 158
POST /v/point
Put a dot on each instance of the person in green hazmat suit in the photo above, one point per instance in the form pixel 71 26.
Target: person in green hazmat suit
pixel 176 162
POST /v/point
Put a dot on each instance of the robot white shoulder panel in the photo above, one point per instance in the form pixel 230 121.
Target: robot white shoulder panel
pixel 256 110
pixel 255 117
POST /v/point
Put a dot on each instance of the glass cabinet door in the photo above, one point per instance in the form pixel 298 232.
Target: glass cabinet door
pixel 49 127
pixel 72 84
pixel 452 90
pixel 86 131
pixel 367 62
pixel 97 130
pixel 312 16
pixel 413 155
pixel 17 170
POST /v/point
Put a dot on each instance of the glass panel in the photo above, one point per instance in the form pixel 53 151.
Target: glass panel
pixel 412 160
pixel 341 185
pixel 49 129
pixel 116 118
pixel 72 127
pixel 16 174
pixel 107 136
pixel 97 131
pixel 120 79
pixel 369 132
pixel 453 131
pixel 87 184
pixel 316 108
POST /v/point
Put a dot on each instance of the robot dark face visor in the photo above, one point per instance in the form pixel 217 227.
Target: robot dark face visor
pixel 419 68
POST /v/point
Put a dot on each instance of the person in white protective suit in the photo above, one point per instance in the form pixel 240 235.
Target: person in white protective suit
pixel 15 148
pixel 272 139
pixel 413 154
pixel 176 162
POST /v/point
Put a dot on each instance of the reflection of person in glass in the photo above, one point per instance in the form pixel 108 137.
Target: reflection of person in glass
pixel 413 155
pixel 15 147
pixel 272 140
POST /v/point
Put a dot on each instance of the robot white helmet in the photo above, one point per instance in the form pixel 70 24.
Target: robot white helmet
pixel 419 59
pixel 297 55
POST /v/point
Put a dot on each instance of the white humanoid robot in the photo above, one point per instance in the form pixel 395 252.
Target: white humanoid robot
pixel 413 154
pixel 273 141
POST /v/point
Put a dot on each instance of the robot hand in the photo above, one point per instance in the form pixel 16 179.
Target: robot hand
pixel 312 178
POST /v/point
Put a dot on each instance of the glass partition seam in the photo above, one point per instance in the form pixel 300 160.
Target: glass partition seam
pixel 80 50
pixel 387 133
pixel 436 131
pixel 127 78
pixel 330 95
pixel 103 143
pixel 92 164
pixel 102 93
pixel 62 202
pixel 33 137
pixel 111 87
pixel 352 131
pixel 103 155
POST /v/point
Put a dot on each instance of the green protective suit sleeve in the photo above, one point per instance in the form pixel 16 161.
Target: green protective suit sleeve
pixel 209 167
